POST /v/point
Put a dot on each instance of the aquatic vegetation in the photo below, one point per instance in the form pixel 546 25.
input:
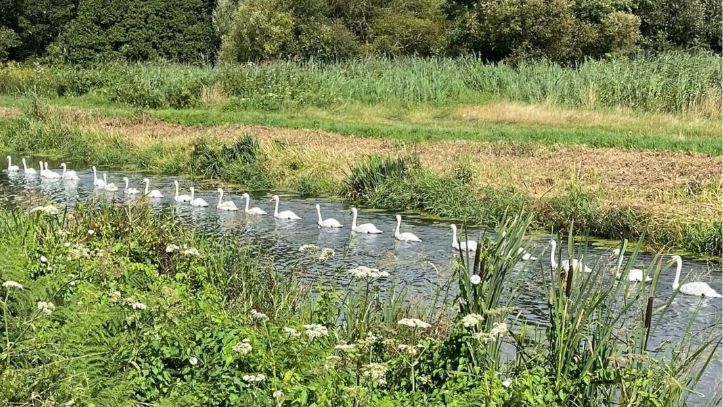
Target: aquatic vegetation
pixel 140 322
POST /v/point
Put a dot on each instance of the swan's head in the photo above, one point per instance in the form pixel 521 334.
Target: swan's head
pixel 675 259
pixel 616 252
pixel 146 180
pixel 175 182
pixel 125 178
pixel 275 198
pixel 453 226
pixel 8 158
pixel 318 207
pixel 245 195
pixel 353 210
pixel 191 189
pixel 62 165
pixel 399 218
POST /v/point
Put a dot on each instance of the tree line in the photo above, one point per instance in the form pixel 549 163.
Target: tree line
pixel 226 31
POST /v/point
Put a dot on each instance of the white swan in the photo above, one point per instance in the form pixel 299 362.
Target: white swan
pixel 634 275
pixel 526 256
pixel 326 223
pixel 698 288
pixel 97 181
pixel 576 264
pixel 152 194
pixel 406 236
pixel 181 198
pixel 42 169
pixel 225 206
pixel 253 211
pixel 110 187
pixel 11 167
pixel 197 201
pixel 367 228
pixel 129 191
pixel 68 175
pixel 288 215
pixel 469 245
pixel 28 170
pixel 50 174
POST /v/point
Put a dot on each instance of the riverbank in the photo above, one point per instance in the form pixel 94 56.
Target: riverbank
pixel 128 305
pixel 672 197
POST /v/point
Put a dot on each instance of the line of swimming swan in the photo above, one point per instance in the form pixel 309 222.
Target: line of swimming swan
pixel 699 289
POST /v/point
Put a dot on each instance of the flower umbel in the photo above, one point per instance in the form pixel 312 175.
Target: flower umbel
pixel 46 308
pixel 413 323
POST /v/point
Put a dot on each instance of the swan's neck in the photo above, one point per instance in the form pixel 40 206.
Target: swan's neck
pixel 247 203
pixel 64 170
pixel 105 178
pixel 25 167
pixel 276 208
pixel 176 184
pixel 553 263
pixel 399 223
pixel 10 163
pixel 220 197
pixel 192 194
pixel 454 236
pixel 318 212
pixel 353 220
pixel 126 180
pixel 95 177
pixel 678 269
pixel 146 190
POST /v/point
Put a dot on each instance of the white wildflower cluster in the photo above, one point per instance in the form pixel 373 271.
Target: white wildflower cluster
pixel 115 296
pixel 475 279
pixel 184 250
pixel 369 340
pixel 326 254
pixel 278 394
pixel 78 251
pixel 347 348
pixel 46 210
pixel 254 378
pixel 507 383
pixel 414 323
pixel 308 248
pixel 12 284
pixel 135 304
pixel 472 320
pixel 46 308
pixel 331 361
pixel 91 232
pixel 291 332
pixel 367 272
pixel 193 361
pixel 243 347
pixel 498 330
pixel 375 372
pixel 409 349
pixel 259 316
pixel 314 331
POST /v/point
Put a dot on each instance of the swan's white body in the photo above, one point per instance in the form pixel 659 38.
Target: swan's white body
pixel 326 223
pixel 288 215
pixel 634 275
pixel 199 202
pixel 252 211
pixel 28 170
pixel 697 289
pixel 181 198
pixel 526 256
pixel 366 228
pixel 110 187
pixel 68 175
pixel 406 236
pixel 577 265
pixel 50 174
pixel 151 194
pixel 97 181
pixel 128 190
pixel 11 167
pixel 467 246
pixel 225 206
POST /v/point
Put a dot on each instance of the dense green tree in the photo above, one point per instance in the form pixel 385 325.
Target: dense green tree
pixel 137 30
pixel 8 40
pixel 408 27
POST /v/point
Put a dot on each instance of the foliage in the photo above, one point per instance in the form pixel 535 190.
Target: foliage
pixel 130 307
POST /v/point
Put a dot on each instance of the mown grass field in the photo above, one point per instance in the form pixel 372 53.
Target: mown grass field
pixel 640 152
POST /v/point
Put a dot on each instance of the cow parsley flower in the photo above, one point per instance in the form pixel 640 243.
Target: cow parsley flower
pixel 499 329
pixel 91 232
pixel 314 331
pixel 47 210
pixel 43 259
pixel 348 348
pixel 191 252
pixel 13 284
pixel 326 254
pixel 254 378
pixel 291 332
pixel 46 308
pixel 376 372
pixel 409 349
pixel 243 347
pixel 172 248
pixel 472 320
pixel 475 279
pixel 193 361
pixel 259 316
pixel 414 323
pixel 308 248
pixel 367 272
pixel 278 394
pixel 507 383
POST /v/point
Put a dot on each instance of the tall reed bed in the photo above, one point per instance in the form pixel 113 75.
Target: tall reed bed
pixel 673 82
pixel 115 304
